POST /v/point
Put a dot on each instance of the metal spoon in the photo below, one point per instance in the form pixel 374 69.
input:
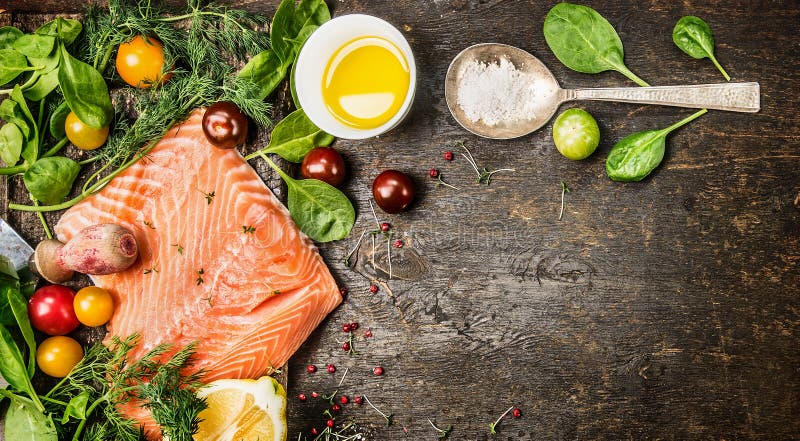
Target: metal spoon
pixel 736 97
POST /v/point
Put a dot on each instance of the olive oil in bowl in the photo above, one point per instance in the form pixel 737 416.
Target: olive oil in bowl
pixel 366 82
pixel 355 77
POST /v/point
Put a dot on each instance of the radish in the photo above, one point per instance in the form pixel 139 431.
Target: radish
pixel 96 250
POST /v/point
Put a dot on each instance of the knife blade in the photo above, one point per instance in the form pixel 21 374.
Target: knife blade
pixel 13 246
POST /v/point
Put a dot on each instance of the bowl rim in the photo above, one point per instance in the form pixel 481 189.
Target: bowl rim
pixel 311 100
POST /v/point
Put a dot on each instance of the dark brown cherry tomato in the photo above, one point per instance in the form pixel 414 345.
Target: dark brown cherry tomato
pixel 225 125
pixel 51 311
pixel 325 164
pixel 393 191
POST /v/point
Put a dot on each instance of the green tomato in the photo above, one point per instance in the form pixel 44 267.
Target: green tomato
pixel 576 134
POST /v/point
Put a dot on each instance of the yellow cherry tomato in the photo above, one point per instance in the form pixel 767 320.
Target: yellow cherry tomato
pixel 82 135
pixel 140 62
pixel 93 306
pixel 57 355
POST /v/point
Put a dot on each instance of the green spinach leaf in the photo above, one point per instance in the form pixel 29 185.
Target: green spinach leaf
pixel 6 314
pixel 636 155
pixel 19 308
pixel 12 366
pixel 295 136
pixel 9 34
pixel 288 22
pixel 693 36
pixel 266 70
pixel 585 41
pixel 12 63
pixel 44 80
pixel 43 85
pixel 35 45
pixel 320 210
pixel 49 180
pixel 85 91
pixel 57 120
pixel 67 30
pixel 76 408
pixel 312 12
pixel 289 30
pixel 30 151
pixel 9 280
pixel 298 45
pixel 26 422
pixel 11 112
pixel 48 62
pixel 11 141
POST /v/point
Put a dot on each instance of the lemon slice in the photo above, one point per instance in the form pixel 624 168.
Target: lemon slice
pixel 243 410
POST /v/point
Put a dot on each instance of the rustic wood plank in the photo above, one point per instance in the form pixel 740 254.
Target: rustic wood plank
pixel 664 309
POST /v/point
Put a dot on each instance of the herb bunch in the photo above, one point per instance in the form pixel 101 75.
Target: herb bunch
pixel 201 45
pixel 105 378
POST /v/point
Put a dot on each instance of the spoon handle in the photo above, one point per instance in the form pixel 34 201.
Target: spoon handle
pixel 735 97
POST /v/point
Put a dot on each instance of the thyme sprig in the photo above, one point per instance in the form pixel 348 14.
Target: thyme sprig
pixel 493 426
pixel 442 433
pixel 332 396
pixel 386 417
pixel 564 190
pixel 200 273
pixel 440 182
pixel 340 435
pixel 484 175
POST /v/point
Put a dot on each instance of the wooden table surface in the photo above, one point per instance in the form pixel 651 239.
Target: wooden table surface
pixel 662 309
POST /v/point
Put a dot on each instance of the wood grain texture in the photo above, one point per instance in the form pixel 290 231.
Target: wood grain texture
pixel 666 309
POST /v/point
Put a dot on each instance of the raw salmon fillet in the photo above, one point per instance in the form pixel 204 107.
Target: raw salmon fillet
pixel 250 298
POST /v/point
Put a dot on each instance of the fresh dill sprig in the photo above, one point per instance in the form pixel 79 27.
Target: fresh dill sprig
pixel 110 378
pixel 245 93
pixel 201 46
pixel 171 397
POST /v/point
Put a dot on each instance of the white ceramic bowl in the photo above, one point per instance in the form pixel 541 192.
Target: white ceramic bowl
pixel 314 57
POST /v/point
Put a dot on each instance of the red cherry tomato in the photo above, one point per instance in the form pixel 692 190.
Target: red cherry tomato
pixel 325 164
pixel 50 310
pixel 225 125
pixel 56 356
pixel 393 191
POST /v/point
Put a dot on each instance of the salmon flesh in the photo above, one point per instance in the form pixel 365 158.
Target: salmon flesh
pixel 220 262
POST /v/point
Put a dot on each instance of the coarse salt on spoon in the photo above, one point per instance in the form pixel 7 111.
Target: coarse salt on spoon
pixel 735 97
